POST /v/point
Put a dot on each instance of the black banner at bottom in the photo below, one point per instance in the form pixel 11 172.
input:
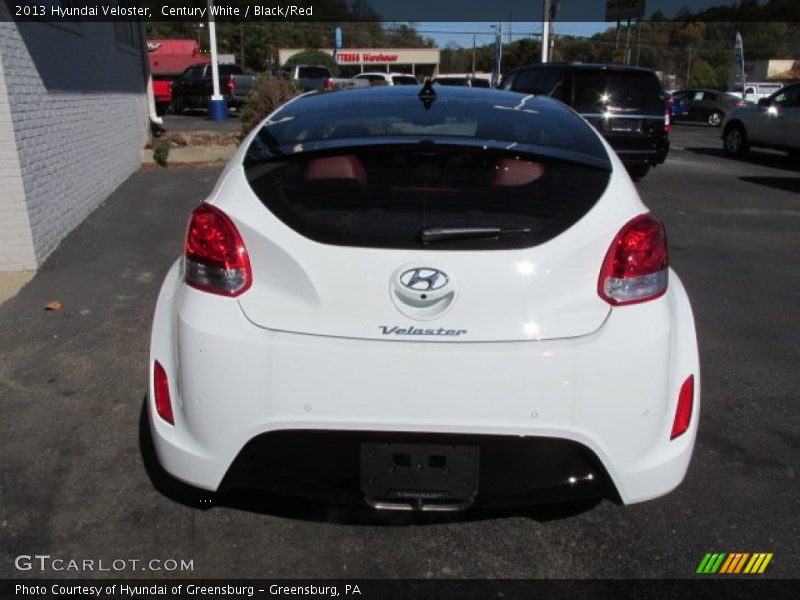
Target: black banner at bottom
pixel 383 589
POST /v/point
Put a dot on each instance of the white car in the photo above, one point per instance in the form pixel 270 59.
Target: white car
pixel 380 78
pixel 423 299
pixel 773 123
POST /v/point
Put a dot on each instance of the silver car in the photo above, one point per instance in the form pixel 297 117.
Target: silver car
pixel 773 123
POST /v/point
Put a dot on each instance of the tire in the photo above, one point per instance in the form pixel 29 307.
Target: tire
pixel 637 171
pixel 714 118
pixel 735 140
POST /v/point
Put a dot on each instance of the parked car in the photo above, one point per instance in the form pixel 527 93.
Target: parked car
pixel 755 91
pixel 463 81
pixel 709 106
pixel 424 299
pixel 317 78
pixel 624 103
pixel 773 123
pixel 676 109
pixel 378 78
pixel 193 89
pixel 162 92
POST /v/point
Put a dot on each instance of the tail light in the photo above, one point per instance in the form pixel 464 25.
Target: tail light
pixel 683 413
pixel 328 85
pixel 230 85
pixel 215 257
pixel 161 392
pixel 667 124
pixel 742 103
pixel 636 264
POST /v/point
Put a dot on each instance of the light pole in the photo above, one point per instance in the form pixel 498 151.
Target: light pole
pixel 217 108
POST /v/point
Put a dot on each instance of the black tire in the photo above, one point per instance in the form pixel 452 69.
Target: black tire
pixel 637 171
pixel 714 118
pixel 735 141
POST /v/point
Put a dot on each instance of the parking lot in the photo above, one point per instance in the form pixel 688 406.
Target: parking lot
pixel 77 474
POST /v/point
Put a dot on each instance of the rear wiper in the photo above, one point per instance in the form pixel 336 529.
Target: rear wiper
pixel 432 235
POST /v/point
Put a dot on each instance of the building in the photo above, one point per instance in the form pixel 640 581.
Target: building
pixel 423 62
pixel 74 118
pixel 777 70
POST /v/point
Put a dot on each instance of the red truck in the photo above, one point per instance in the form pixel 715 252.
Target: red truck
pixel 168 59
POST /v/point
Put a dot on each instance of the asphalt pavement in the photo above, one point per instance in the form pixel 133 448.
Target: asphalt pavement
pixel 78 480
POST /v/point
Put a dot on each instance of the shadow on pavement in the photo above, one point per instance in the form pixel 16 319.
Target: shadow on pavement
pixel 764 159
pixel 266 503
pixel 787 184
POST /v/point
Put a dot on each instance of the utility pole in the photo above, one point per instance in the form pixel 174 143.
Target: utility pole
pixel 473 55
pixel 217 108
pixel 546 31
pixel 688 68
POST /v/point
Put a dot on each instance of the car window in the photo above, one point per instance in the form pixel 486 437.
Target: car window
pixel 698 96
pixel 787 97
pixel 313 73
pixel 597 89
pixel 404 80
pixel 384 197
pixel 711 96
pixel 225 70
pixel 526 81
pixel 479 82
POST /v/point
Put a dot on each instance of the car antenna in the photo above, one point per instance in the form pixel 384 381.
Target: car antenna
pixel 427 94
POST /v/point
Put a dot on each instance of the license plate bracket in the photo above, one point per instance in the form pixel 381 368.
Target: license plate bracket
pixel 436 472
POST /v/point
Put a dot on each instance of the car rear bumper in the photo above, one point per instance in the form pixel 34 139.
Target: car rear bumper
pixel 611 395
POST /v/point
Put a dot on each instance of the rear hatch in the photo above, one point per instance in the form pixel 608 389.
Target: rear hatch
pixel 429 238
pixel 625 105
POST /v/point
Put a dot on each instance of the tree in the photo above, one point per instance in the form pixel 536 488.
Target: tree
pixel 314 57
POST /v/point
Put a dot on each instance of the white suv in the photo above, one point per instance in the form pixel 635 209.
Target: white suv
pixel 773 123
pixel 378 78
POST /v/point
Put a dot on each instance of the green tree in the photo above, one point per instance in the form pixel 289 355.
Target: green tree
pixel 314 57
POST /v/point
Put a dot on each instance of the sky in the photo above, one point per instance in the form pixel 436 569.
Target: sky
pixel 462 33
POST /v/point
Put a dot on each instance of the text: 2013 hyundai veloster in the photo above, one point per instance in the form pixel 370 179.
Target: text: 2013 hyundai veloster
pixel 424 299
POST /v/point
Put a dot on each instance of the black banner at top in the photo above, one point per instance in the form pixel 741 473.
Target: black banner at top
pixel 396 10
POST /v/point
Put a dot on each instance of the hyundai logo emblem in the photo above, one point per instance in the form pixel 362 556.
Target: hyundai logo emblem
pixel 424 279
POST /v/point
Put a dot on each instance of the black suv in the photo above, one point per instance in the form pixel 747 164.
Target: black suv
pixel 625 104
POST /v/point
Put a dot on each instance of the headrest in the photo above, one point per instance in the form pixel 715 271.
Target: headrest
pixel 336 167
pixel 512 172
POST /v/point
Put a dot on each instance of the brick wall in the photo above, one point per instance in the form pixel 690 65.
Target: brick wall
pixel 75 98
pixel 17 252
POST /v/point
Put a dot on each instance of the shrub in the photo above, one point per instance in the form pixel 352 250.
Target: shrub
pixel 314 57
pixel 161 153
pixel 269 94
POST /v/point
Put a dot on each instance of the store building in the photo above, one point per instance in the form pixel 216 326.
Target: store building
pixel 422 62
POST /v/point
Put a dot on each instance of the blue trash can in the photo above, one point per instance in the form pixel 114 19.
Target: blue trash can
pixel 217 110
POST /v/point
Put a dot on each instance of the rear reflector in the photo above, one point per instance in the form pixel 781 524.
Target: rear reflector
pixel 683 414
pixel 215 258
pixel 161 391
pixel 636 264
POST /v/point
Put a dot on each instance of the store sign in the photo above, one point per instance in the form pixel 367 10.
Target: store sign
pixel 365 57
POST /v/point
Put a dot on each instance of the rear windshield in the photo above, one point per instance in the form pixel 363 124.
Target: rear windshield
pixel 313 73
pixel 481 83
pixel 598 89
pixel 389 196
